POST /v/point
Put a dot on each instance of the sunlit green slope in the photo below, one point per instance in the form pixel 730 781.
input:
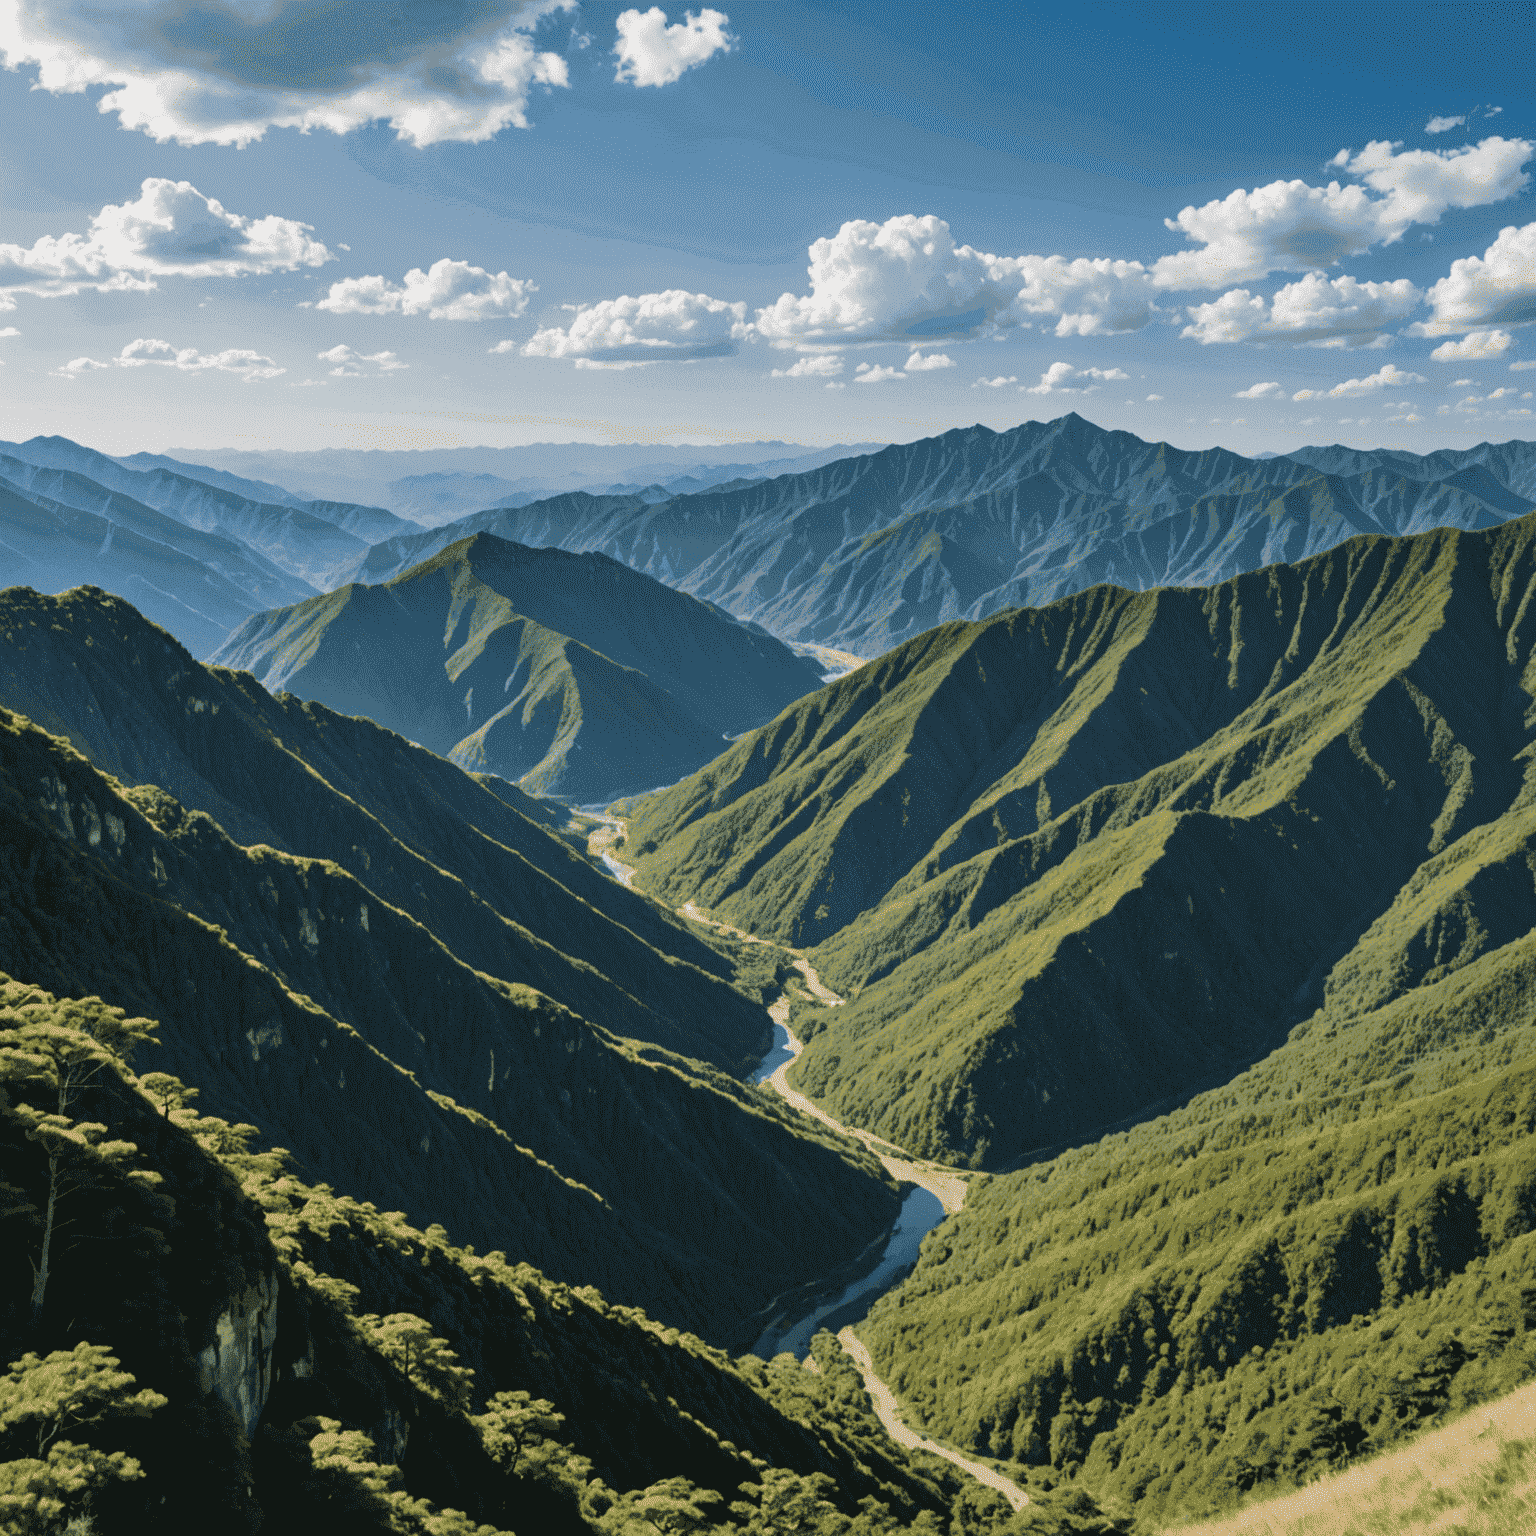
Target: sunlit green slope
pixel 1073 862
pixel 1292 1270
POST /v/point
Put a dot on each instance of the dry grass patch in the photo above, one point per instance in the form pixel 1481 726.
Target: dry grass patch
pixel 1475 1477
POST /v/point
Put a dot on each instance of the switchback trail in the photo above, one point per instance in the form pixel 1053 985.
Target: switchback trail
pixel 946 1184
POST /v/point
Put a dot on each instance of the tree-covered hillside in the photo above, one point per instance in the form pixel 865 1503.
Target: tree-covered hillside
pixel 1075 863
pixel 1293 1270
pixel 225 1345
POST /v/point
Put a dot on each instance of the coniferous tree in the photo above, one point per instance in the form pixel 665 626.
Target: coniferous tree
pixel 55 1049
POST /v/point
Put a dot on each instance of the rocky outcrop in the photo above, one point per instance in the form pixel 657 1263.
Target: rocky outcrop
pixel 236 1366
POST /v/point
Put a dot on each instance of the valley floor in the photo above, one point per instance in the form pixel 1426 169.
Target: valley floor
pixel 946 1184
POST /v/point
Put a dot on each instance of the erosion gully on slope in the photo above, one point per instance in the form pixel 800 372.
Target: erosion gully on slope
pixel 940 1192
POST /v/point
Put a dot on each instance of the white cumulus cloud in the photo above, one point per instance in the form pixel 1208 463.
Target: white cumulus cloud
pixel 652 53
pixel 170 230
pixel 226 71
pixel 1474 347
pixel 145 352
pixel 1092 297
pixel 675 326
pixel 876 373
pixel 448 290
pixel 920 362
pixel 1291 226
pixel 1058 380
pixel 1315 309
pixel 817 365
pixel 348 364
pixel 1388 376
pixel 1497 287
pixel 906 279
pixel 1270 391
pixel 997 383
pixel 1443 124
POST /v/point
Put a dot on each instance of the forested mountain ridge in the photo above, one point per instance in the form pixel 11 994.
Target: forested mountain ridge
pixel 1070 862
pixel 570 674
pixel 866 552
pixel 296 998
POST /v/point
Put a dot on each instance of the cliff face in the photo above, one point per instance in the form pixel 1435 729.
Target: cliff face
pixel 236 1365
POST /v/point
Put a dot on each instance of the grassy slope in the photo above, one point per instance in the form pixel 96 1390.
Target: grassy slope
pixel 1074 861
pixel 569 673
pixel 294 998
pixel 1476 1476
pixel 420 834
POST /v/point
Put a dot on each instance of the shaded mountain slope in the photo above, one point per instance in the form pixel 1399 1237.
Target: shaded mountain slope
pixel 295 999
pixel 482 870
pixel 866 552
pixel 570 674
pixel 1074 861
pixel 297 1294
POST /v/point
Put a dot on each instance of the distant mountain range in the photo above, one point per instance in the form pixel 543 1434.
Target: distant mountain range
pixel 426 483
pixel 865 552
pixel 568 674
pixel 443 496
pixel 852 551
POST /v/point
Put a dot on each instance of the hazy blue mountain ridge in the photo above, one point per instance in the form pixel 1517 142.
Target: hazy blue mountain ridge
pixel 308 539
pixel 865 552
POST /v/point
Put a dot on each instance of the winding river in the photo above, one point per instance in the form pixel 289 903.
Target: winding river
pixel 938 1191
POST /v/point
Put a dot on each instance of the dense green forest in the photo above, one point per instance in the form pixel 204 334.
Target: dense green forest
pixel 1292 1270
pixel 1072 864
pixel 273 1354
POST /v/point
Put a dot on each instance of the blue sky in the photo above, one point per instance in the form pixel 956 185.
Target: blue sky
pixel 414 223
